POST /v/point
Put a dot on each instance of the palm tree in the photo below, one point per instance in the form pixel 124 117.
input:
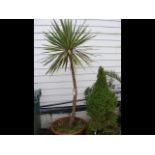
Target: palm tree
pixel 64 49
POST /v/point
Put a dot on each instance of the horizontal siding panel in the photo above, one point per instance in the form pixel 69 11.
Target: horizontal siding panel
pixel 40 36
pixel 105 57
pixel 40 43
pixel 82 46
pixel 103 50
pixel 60 85
pixel 65 86
pixel 81 78
pixel 62 79
pixel 88 71
pixel 93 64
pixel 65 79
pixel 60 92
pixel 98 23
pixel 81 84
pixel 98 30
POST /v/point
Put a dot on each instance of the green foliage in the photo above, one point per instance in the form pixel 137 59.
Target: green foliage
pixel 88 90
pixel 114 75
pixel 108 125
pixel 64 40
pixel 101 102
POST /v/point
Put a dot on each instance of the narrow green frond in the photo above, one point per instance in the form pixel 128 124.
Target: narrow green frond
pixel 49 58
pixel 114 75
pixel 84 58
pixel 56 64
pixel 65 63
pixel 52 40
pixel 51 48
pixel 76 60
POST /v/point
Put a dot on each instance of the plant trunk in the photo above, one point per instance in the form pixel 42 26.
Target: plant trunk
pixel 72 117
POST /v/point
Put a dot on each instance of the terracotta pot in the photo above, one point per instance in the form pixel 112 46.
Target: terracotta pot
pixel 78 132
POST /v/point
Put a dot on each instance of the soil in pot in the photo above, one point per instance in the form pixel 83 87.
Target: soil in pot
pixel 61 126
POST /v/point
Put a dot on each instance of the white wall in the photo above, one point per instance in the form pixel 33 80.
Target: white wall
pixel 107 53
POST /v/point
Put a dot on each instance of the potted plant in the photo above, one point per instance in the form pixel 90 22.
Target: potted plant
pixel 64 50
pixel 101 103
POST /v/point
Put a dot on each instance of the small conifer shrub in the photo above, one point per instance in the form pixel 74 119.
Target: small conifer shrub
pixel 101 102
